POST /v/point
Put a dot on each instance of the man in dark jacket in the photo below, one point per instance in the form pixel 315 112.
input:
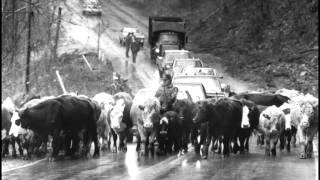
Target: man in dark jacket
pixel 129 39
pixel 135 47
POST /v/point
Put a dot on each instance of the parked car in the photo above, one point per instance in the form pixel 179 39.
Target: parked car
pixel 92 8
pixel 212 84
pixel 165 62
pixel 195 90
pixel 137 33
pixel 180 64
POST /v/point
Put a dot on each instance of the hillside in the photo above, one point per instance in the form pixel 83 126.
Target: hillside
pixel 248 35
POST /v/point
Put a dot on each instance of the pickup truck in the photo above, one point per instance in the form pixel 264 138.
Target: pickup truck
pixel 180 64
pixel 165 62
pixel 196 91
pixel 212 84
pixel 136 32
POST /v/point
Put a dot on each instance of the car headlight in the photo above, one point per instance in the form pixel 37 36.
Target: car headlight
pixel 157 50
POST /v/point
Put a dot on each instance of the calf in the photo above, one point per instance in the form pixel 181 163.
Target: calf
pixel 105 102
pixel 145 114
pixel 272 125
pixel 120 120
pixel 305 118
pixel 170 132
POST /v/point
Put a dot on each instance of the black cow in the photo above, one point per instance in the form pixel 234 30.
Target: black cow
pixel 80 114
pixel 186 110
pixel 265 99
pixel 224 119
pixel 245 132
pixel 170 132
pixel 67 113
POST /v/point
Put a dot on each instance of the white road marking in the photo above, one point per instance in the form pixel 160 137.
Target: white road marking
pixel 23 166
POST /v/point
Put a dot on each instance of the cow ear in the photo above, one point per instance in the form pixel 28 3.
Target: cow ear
pixel 141 107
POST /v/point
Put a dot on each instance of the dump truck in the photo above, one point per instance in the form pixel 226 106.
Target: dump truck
pixel 166 33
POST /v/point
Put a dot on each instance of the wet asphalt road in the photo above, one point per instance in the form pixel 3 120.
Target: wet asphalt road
pixel 250 166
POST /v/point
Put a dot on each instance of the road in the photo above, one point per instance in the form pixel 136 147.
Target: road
pixel 254 165
pixel 81 33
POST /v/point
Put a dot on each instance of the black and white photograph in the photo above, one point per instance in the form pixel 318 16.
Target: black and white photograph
pixel 159 89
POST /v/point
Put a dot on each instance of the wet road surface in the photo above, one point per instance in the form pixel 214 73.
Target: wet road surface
pixel 253 165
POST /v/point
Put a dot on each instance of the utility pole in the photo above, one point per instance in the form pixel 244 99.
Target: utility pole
pixel 57 35
pixel 99 29
pixel 30 14
pixel 14 43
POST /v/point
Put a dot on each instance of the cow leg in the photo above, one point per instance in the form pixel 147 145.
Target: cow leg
pixel 138 148
pixel 226 149
pixel 55 145
pixel 282 139
pixel 289 140
pixel 5 147
pixel 294 135
pixel 267 145
pixel 95 140
pixel 309 149
pixel 274 142
pixel 241 140
pixel 67 142
pixel 13 144
pixel 19 146
pixel 114 141
pixel 152 139
pixel 246 148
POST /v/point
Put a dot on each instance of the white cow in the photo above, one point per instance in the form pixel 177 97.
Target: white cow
pixel 272 125
pixel 106 103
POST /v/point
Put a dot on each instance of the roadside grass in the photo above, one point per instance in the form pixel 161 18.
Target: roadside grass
pixel 76 76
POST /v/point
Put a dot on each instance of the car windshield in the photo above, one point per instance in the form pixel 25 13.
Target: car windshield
pixel 170 56
pixel 195 90
pixel 173 38
pixel 185 63
pixel 210 83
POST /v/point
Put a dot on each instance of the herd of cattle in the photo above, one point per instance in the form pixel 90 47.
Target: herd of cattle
pixel 70 123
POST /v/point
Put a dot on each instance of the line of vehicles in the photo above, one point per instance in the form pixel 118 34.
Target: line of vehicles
pixel 167 39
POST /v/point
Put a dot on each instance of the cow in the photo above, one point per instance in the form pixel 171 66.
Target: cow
pixel 265 99
pixel 223 118
pixel 80 115
pixel 272 125
pixel 120 120
pixel 7 110
pixel 186 110
pixel 64 113
pixel 290 130
pixel 170 132
pixel 31 141
pixel 105 102
pixel 306 119
pixel 145 114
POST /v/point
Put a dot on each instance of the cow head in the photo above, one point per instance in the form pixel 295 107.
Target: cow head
pixel 182 107
pixel 150 112
pixel 245 117
pixel 116 114
pixel 307 111
pixel 202 111
pixel 22 118
pixel 15 130
pixel 164 125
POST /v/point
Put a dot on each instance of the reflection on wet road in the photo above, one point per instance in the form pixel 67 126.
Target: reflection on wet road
pixel 254 165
